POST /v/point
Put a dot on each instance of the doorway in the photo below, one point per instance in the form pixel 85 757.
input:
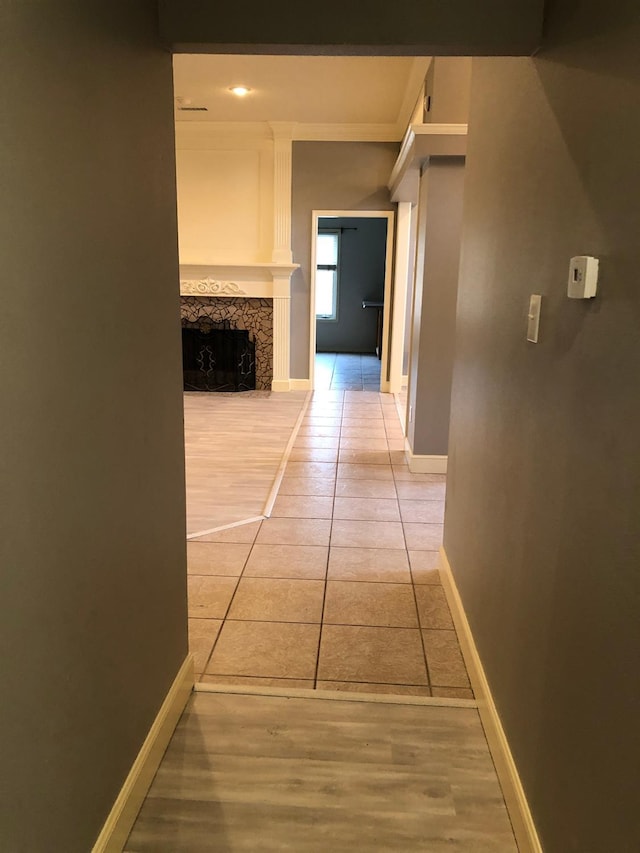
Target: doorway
pixel 351 264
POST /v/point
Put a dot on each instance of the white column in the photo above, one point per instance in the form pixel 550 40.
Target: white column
pixel 400 283
pixel 281 332
pixel 282 150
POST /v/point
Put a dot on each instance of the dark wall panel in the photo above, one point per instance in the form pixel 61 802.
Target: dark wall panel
pixel 426 27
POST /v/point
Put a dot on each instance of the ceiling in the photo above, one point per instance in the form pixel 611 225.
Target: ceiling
pixel 334 90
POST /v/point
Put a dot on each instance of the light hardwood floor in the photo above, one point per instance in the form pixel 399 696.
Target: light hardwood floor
pixel 233 447
pixel 265 773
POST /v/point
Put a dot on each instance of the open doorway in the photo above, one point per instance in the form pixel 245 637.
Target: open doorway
pixel 351 262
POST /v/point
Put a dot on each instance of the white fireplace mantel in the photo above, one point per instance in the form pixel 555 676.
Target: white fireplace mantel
pixel 250 281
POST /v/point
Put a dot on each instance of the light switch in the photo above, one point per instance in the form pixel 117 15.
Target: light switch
pixel 533 317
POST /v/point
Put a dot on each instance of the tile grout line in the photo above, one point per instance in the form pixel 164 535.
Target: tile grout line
pixel 224 618
pixel 326 574
pixel 415 597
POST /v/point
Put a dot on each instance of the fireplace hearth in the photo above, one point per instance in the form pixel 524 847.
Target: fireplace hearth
pixel 216 357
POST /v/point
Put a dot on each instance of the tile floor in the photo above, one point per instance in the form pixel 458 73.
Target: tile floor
pixel 353 371
pixel 339 589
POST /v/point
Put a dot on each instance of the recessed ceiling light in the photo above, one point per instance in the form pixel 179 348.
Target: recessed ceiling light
pixel 240 91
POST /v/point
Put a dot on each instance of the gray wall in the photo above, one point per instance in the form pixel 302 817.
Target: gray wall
pixel 421 27
pixel 544 488
pixel 434 314
pixel 92 586
pixel 329 176
pixel 360 276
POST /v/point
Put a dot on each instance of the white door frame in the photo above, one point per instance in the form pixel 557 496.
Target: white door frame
pixel 400 288
pixel 389 215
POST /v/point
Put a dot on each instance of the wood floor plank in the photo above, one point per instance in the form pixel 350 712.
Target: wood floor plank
pixel 234 444
pixel 266 773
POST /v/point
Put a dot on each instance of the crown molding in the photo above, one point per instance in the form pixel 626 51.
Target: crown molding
pixel 190 134
pixel 420 142
pixel 348 132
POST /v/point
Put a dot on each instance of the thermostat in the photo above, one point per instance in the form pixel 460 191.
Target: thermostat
pixel 583 277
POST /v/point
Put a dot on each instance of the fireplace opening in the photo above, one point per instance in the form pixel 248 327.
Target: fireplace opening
pixel 216 357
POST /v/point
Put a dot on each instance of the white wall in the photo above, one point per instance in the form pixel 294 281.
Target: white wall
pixel 225 195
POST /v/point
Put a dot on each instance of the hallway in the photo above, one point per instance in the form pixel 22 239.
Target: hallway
pixel 339 589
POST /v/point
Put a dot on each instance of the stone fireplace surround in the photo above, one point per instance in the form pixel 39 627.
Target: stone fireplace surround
pixel 254 315
pixel 262 287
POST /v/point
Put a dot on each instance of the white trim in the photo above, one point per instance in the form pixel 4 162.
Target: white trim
pixel 335 695
pixel 262 281
pixel 405 380
pixel 420 142
pixel 519 812
pixel 401 409
pixel 277 480
pixel 279 385
pixel 194 134
pixel 343 132
pixel 242 521
pixel 423 463
pixel 122 816
pixel 400 287
pixel 282 161
pixel 300 385
pixel 389 215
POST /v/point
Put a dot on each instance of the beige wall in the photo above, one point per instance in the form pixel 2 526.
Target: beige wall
pixel 412 27
pixel 225 195
pixel 447 90
pixel 329 176
pixel 544 488
pixel 92 552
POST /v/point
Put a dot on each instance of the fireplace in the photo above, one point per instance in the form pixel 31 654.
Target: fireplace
pixel 253 317
pixel 255 297
pixel 216 357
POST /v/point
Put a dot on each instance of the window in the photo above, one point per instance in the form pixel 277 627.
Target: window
pixel 327 246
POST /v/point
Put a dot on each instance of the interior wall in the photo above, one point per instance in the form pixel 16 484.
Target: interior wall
pixel 92 543
pixel 361 268
pixel 434 310
pixel 225 195
pixel 447 90
pixel 410 27
pixel 329 176
pixel 543 491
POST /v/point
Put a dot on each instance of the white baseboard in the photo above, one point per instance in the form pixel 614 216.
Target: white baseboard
pixel 280 384
pixel 122 816
pixel 521 819
pixel 405 381
pixel 300 384
pixel 423 464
